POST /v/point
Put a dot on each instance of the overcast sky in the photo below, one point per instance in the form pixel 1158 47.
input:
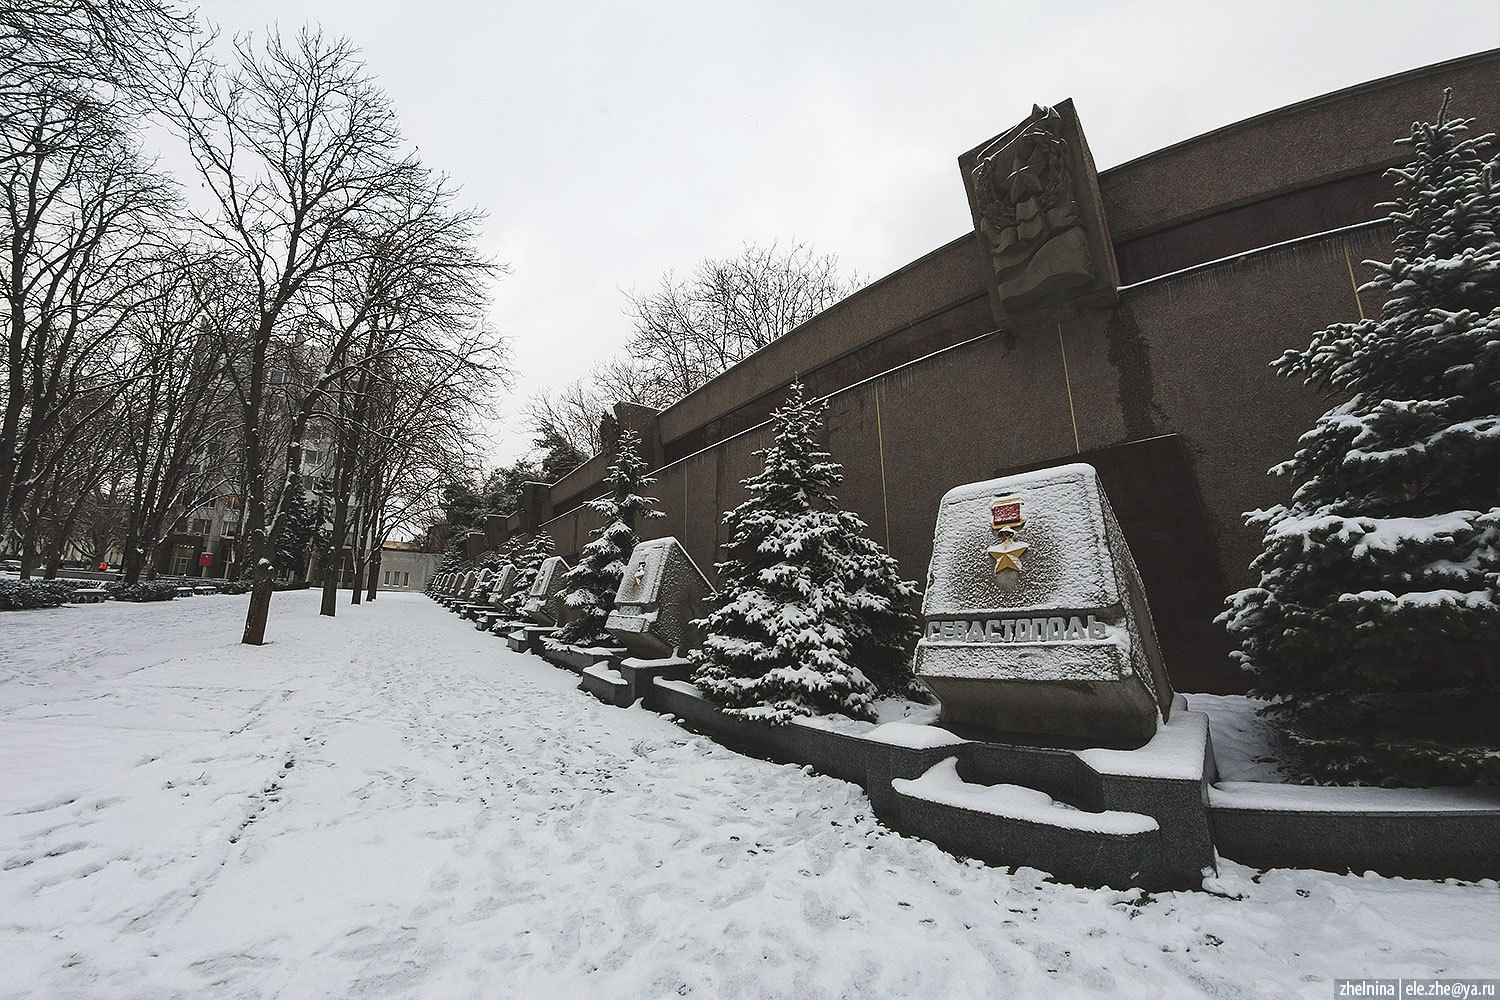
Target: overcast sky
pixel 611 142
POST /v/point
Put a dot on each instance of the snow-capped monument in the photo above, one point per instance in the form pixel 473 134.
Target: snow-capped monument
pixel 544 601
pixel 661 591
pixel 1036 625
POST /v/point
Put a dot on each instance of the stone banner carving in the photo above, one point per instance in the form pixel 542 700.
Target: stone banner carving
pixel 1034 196
pixel 1036 624
pixel 544 604
pixel 661 592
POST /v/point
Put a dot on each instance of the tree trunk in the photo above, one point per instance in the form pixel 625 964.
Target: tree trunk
pixel 374 575
pixel 28 552
pixel 260 608
pixel 333 561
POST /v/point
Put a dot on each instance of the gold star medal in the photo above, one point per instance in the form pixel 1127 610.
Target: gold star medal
pixel 1005 517
pixel 1007 554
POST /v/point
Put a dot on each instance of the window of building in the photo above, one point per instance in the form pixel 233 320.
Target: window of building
pixel 231 527
pixel 200 526
pixel 405 579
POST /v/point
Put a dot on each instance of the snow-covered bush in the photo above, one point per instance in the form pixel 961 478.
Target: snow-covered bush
pixel 146 590
pixel 1376 622
pixel 24 595
pixel 811 616
pixel 589 587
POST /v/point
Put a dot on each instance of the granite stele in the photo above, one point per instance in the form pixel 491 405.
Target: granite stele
pixel 504 583
pixel 544 604
pixel 1036 625
pixel 661 592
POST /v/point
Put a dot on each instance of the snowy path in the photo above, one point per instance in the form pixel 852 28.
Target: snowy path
pixel 393 804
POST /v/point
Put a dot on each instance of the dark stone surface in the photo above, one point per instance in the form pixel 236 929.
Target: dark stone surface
pixel 574 658
pixel 1075 856
pixel 639 675
pixel 1409 844
pixel 834 754
pixel 609 690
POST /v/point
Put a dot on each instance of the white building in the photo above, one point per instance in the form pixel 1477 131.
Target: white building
pixel 403 566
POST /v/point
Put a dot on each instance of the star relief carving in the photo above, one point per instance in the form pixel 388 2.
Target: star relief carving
pixel 1007 553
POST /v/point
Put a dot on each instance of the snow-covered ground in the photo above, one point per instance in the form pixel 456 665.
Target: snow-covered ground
pixel 393 804
pixel 1244 744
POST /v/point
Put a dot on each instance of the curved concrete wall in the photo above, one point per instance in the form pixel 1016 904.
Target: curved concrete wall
pixel 1170 387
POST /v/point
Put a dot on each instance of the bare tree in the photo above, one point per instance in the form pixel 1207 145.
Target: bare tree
pixel 301 152
pixel 412 304
pixel 574 414
pixel 177 410
pixel 81 218
pixel 690 330
pixel 107 50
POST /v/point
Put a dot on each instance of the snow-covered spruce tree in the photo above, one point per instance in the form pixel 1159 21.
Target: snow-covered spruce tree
pixel 528 561
pixel 1376 625
pixel 299 539
pixel 811 616
pixel 589 587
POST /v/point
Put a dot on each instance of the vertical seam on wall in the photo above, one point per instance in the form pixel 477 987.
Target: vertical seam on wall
pixel 1068 381
pixel 1357 304
pixel 885 502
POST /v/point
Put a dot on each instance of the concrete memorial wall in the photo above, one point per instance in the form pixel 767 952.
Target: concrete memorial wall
pixel 1128 315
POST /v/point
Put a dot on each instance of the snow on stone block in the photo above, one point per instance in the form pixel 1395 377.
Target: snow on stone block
pixel 640 663
pixel 544 604
pixel 1178 751
pixel 841 724
pixel 913 737
pixel 942 785
pixel 661 591
pixel 604 672
pixel 686 687
pixel 1277 797
pixel 1036 623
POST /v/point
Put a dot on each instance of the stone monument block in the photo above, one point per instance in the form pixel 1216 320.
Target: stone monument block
pixel 479 595
pixel 661 592
pixel 544 604
pixel 474 545
pixel 466 585
pixel 1034 195
pixel 1036 625
pixel 503 584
